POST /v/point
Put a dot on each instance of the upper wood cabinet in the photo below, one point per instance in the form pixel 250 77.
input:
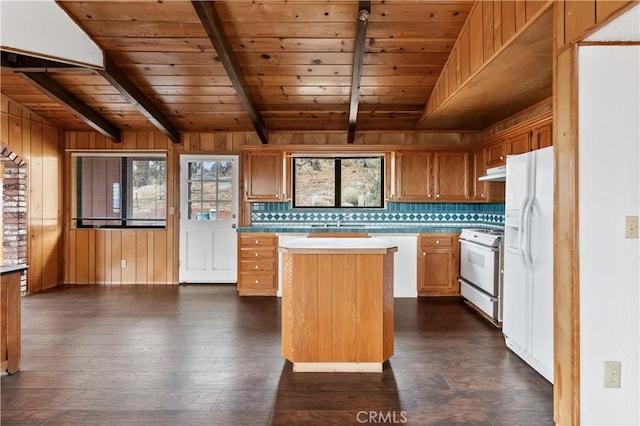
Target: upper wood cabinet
pixel 482 190
pixel 413 176
pixel 541 136
pixel 451 176
pixel 264 176
pixel 519 143
pixel 528 136
pixel 495 154
pixel 432 176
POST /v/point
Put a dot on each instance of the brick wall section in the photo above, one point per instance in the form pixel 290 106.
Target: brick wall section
pixel 14 216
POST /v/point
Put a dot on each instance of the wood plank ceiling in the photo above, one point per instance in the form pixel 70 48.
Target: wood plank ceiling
pixel 295 56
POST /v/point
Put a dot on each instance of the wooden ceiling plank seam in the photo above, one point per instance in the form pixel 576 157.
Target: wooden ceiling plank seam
pixel 130 91
pixel 79 108
pixel 213 26
pixel 364 10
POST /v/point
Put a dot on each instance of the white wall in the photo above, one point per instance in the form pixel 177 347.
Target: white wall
pixel 609 152
pixel 41 28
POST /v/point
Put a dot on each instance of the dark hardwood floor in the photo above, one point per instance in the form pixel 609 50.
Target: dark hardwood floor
pixel 191 355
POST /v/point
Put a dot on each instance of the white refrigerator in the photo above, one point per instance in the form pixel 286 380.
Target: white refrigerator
pixel 528 259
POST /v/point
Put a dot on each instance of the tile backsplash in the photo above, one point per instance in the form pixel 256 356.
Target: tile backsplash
pixel 271 214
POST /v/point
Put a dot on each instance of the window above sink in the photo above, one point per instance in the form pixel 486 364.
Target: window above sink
pixel 339 182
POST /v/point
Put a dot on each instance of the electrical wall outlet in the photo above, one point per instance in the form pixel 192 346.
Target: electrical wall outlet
pixel 612 374
pixel 123 263
pixel 631 227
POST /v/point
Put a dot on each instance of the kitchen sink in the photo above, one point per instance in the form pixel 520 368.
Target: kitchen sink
pixel 334 226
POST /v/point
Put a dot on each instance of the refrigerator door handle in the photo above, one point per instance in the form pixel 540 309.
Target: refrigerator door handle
pixel 526 244
pixel 523 229
pixel 530 205
pixel 521 222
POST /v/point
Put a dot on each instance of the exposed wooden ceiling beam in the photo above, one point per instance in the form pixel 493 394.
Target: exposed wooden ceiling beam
pixel 68 99
pixel 213 25
pixel 364 9
pixel 127 88
pixel 24 63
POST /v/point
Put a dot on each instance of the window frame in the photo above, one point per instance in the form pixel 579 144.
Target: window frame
pixel 338 179
pixel 126 187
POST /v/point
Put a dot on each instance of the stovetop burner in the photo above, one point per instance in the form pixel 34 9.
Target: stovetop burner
pixel 487 231
pixel 485 236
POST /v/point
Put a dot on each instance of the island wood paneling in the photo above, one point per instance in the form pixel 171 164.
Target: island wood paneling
pixel 337 308
pixel 10 320
pixel 41 144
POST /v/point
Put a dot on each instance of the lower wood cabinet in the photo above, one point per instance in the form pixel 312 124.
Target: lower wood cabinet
pixel 438 265
pixel 257 264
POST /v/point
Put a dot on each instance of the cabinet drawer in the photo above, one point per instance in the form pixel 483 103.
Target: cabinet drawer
pixel 437 241
pixel 248 281
pixel 257 253
pixel 257 266
pixel 257 240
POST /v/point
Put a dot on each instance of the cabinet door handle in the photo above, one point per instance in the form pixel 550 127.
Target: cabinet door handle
pixel 437 195
pixel 257 254
pixel 256 281
pixel 257 241
pixel 424 254
pixel 501 157
pixel 257 267
pixel 428 195
pixel 437 241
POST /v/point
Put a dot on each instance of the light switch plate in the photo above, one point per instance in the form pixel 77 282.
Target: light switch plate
pixel 631 227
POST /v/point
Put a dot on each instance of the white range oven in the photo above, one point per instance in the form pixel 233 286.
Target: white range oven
pixel 481 257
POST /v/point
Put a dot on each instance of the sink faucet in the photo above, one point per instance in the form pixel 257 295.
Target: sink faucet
pixel 341 219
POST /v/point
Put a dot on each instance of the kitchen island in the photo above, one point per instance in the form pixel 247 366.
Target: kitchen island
pixel 337 303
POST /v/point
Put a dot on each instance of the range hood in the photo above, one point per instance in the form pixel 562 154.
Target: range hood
pixel 495 174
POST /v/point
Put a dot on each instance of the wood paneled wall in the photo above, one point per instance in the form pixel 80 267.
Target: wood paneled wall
pixel 93 256
pixel 491 26
pixel 41 144
pixel 423 138
pixel 575 19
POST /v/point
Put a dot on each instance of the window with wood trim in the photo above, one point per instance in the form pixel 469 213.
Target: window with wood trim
pixel 119 191
pixel 344 182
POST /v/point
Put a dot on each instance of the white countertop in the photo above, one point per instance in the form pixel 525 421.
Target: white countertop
pixel 339 245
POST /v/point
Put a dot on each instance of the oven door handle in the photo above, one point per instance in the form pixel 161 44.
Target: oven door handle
pixel 482 246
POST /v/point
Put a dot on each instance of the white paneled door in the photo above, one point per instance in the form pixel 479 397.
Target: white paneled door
pixel 208 218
